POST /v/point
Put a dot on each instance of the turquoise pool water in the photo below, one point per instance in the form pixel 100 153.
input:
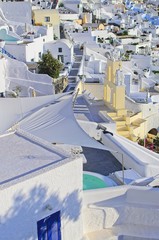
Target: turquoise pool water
pixel 92 182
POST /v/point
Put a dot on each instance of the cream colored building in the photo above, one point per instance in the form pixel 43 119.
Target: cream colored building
pixel 48 17
pixel 128 124
pixel 114 88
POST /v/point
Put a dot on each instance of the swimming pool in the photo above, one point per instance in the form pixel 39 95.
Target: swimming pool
pixel 93 180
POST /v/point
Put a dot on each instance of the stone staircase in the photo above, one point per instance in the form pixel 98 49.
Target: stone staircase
pixel 72 77
pixel 124 128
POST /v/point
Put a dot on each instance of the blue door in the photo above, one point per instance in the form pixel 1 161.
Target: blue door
pixel 49 228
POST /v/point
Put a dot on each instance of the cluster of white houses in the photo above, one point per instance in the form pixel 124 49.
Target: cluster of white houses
pixel 109 50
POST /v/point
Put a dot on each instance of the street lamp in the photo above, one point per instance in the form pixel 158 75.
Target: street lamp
pixel 100 126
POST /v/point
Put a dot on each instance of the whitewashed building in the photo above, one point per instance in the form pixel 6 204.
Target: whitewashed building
pixel 17 80
pixel 40 190
pixel 17 11
pixel 32 46
pixel 61 50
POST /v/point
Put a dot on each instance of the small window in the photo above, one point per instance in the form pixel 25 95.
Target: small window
pixel 40 54
pixel 47 19
pixel 60 49
pixel 32 60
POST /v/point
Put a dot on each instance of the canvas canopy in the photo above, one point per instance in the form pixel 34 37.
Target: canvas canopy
pixel 15 109
pixel 56 123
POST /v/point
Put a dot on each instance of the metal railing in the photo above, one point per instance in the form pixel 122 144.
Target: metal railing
pixel 3 51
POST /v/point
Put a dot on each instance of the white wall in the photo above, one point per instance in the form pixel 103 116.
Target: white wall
pixel 91 129
pixel 127 81
pixel 49 34
pixel 142 160
pixel 132 32
pixel 129 40
pixel 27 51
pixel 72 5
pixel 56 30
pixel 150 112
pixel 3 73
pixel 15 73
pixel 17 11
pixel 67 52
pixel 131 105
pixel 30 50
pixel 65 17
pixel 141 61
pixel 23 204
pixel 28 86
pixel 103 34
pixel 125 207
pixel 129 47
pixel 96 66
pixel 149 109
pixel 33 49
pixel 97 56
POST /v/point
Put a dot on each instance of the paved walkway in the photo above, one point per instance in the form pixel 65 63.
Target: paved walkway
pixel 100 161
pixel 84 111
pixel 72 77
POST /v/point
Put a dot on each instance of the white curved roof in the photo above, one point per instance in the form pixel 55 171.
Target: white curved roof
pixel 65 41
pixel 56 123
pixel 14 109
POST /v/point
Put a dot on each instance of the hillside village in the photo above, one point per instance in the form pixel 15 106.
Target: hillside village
pixel 79 125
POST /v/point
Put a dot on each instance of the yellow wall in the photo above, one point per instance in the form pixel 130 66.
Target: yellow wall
pixel 119 97
pixel 101 27
pixel 84 20
pixel 96 89
pixel 114 94
pixel 136 117
pixel 79 21
pixel 131 127
pixel 40 14
pixel 112 67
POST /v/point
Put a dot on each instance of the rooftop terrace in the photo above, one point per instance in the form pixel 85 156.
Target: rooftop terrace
pixel 21 156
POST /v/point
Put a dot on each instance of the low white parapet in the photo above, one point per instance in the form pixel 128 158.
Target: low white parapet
pixel 124 207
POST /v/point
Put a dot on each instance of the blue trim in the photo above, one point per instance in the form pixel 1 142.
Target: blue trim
pixel 49 228
pixel 3 51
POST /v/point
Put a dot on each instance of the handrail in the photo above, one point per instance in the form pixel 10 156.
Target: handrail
pixel 3 51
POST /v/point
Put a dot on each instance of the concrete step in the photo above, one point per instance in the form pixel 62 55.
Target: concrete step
pixel 120 123
pixel 122 128
pixel 112 114
pixel 76 65
pixel 78 51
pixel 78 58
pixel 73 73
pixel 124 133
pixel 116 118
pixel 72 80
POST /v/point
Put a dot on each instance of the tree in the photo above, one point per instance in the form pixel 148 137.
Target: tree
pixel 61 5
pixel 156 142
pixel 49 65
pixel 141 142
